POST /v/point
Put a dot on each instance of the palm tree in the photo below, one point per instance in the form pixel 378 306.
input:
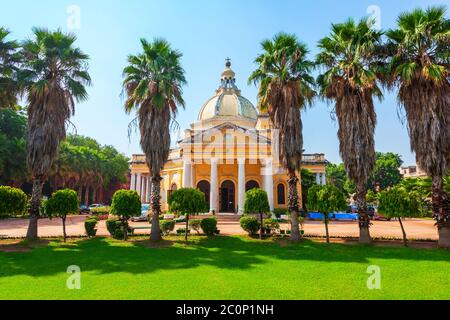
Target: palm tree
pixel 9 60
pixel 54 77
pixel 153 83
pixel 285 87
pixel 349 60
pixel 419 54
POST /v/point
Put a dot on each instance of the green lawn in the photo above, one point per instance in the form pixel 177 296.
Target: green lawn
pixel 223 268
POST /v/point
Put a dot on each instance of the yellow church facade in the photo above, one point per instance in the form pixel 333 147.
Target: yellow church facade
pixel 229 150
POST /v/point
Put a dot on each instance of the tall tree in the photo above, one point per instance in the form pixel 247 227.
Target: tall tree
pixel 13 126
pixel 386 173
pixel 153 82
pixel 9 60
pixel 349 59
pixel 285 88
pixel 419 54
pixel 54 77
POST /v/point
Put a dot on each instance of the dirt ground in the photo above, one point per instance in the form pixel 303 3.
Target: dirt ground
pixel 415 228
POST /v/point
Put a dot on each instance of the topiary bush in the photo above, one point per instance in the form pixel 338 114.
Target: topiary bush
pixel 271 224
pixel 196 225
pixel 250 225
pixel 209 226
pixel 90 225
pixel 166 226
pixel 256 201
pixel 187 201
pixel 126 204
pixel 61 204
pixel 13 202
pixel 111 226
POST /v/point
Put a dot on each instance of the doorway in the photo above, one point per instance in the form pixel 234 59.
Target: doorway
pixel 227 197
pixel 205 187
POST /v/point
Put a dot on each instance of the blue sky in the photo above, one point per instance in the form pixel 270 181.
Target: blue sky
pixel 206 31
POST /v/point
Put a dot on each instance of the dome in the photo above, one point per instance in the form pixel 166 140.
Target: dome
pixel 228 100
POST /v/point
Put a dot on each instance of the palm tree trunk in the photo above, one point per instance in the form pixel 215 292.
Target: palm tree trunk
pixel 293 205
pixel 156 208
pixel 364 221
pixel 441 211
pixel 32 233
pixel 405 239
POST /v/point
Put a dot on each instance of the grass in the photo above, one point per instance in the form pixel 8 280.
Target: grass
pixel 221 268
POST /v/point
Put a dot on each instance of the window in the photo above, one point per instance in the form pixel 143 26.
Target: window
pixel 281 191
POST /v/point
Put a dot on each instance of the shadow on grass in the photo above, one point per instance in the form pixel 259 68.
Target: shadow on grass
pixel 103 255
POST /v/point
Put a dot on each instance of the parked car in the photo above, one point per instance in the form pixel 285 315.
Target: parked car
pixel 144 214
pixel 84 209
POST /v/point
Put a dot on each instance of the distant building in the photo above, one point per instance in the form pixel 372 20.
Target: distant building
pixel 412 172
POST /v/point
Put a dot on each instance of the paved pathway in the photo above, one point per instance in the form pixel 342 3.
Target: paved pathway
pixel 415 228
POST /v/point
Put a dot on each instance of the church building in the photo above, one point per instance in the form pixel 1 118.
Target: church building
pixel 229 150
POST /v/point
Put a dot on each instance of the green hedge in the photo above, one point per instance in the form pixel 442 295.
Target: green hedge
pixel 209 226
pixel 89 226
pixel 250 224
pixel 166 226
pixel 13 202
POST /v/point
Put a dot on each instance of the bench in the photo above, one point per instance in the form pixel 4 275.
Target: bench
pixel 139 228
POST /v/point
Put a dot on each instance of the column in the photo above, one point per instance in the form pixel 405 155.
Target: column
pixel 144 189
pixel 133 182
pixel 318 178
pixel 324 179
pixel 139 184
pixel 241 185
pixel 149 189
pixel 187 174
pixel 214 193
pixel 268 182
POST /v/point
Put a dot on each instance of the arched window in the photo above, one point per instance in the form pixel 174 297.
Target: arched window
pixel 252 184
pixel 281 192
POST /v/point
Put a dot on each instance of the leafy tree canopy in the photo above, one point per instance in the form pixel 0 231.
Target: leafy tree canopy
pixel 187 201
pixel 256 201
pixel 126 204
pixel 62 203
pixel 386 173
pixel 13 125
pixel 326 199
pixel 398 202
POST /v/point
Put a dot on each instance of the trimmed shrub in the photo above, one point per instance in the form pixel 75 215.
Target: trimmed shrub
pixel 111 225
pixel 187 201
pixel 250 224
pixel 166 226
pixel 209 226
pixel 90 227
pixel 61 204
pixel 183 231
pixel 195 225
pixel 13 202
pixel 271 224
pixel 125 204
